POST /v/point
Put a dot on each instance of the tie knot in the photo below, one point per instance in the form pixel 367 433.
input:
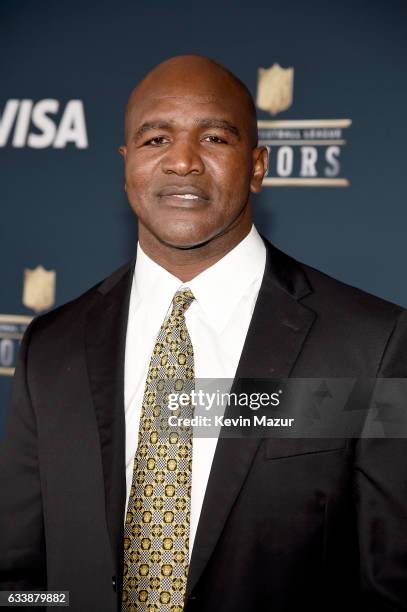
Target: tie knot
pixel 183 299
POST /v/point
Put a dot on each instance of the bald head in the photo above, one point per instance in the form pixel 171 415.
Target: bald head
pixel 187 75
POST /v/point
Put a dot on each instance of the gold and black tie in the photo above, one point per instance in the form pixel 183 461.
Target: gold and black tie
pixel 156 532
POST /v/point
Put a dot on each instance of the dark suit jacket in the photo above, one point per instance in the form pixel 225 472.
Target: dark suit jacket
pixel 285 524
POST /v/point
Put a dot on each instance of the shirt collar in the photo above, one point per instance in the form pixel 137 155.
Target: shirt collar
pixel 217 290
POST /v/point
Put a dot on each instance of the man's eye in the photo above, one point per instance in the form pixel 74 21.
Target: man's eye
pixel 215 139
pixel 157 141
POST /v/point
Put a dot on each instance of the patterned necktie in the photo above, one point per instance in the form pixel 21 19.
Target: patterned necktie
pixel 156 533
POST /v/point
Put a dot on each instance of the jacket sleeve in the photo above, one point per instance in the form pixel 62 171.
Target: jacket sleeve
pixel 22 542
pixel 380 486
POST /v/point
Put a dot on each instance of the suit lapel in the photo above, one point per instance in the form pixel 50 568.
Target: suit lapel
pixel 276 334
pixel 105 341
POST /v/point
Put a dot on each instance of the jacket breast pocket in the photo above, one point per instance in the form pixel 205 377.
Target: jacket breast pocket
pixel 281 448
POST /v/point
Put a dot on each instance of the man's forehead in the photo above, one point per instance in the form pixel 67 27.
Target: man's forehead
pixel 191 88
pixel 164 98
pixel 188 105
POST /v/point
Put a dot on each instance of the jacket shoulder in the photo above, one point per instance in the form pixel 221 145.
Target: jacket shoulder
pixel 323 293
pixel 345 299
pixel 72 312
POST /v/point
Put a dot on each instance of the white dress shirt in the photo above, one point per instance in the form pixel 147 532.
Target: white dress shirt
pixel 217 321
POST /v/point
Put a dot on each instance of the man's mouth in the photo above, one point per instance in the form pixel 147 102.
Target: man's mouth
pixel 185 192
pixel 185 196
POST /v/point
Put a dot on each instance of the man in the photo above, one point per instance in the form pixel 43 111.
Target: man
pixel 94 502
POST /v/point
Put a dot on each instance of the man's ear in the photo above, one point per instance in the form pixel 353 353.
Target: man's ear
pixel 123 152
pixel 260 166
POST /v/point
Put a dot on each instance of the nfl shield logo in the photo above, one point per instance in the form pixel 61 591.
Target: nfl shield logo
pixel 39 288
pixel 275 88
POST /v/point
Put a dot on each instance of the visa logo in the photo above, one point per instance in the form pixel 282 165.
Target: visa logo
pixel 19 117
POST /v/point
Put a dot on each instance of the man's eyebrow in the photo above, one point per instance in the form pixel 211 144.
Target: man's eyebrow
pixel 151 125
pixel 221 124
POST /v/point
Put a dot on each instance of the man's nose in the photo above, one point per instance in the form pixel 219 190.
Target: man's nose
pixel 182 158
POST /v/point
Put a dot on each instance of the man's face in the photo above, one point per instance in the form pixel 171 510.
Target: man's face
pixel 190 161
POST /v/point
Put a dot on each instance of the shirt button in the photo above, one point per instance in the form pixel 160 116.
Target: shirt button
pixel 114 582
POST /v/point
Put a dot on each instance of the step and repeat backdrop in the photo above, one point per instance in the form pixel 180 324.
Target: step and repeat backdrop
pixel 329 81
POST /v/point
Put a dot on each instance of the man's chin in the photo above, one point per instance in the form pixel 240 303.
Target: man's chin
pixel 181 233
pixel 184 238
pixel 185 242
